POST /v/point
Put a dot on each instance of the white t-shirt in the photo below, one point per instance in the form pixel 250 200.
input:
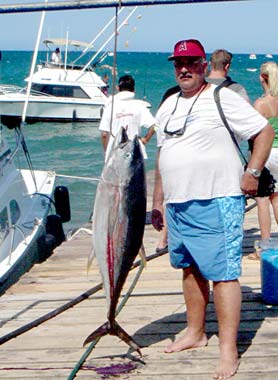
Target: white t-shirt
pixel 204 162
pixel 130 113
pixel 56 58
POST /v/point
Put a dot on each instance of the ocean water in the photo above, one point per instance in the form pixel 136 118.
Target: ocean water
pixel 74 149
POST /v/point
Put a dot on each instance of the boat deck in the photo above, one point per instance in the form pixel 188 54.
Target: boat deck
pixel 47 315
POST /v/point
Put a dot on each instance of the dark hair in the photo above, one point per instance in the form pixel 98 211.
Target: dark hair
pixel 126 82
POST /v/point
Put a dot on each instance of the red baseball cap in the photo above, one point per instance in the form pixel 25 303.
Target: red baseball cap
pixel 188 48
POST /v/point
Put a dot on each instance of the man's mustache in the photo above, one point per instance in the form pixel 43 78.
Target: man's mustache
pixel 185 75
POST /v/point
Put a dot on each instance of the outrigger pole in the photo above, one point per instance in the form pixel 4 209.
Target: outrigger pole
pixel 87 4
pixel 108 40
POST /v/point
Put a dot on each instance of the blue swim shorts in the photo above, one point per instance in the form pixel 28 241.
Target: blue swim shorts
pixel 207 233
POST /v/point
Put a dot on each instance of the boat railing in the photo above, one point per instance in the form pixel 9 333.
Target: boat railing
pixel 11 89
pixel 13 229
pixel 68 66
pixel 9 156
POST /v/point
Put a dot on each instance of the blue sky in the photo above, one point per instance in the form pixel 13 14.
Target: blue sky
pixel 242 27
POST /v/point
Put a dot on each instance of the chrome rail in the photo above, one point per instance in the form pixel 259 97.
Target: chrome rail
pixel 6 89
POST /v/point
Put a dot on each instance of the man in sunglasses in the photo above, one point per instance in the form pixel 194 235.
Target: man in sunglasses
pixel 199 176
pixel 220 63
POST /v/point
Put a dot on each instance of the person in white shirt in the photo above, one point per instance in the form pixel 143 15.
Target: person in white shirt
pixel 56 57
pixel 200 178
pixel 128 112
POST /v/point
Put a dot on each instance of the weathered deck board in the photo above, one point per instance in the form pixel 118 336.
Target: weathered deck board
pixel 154 315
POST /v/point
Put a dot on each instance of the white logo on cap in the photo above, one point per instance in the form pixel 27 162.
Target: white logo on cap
pixel 183 46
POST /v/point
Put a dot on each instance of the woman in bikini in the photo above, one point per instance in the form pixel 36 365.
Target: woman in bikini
pixel 267 105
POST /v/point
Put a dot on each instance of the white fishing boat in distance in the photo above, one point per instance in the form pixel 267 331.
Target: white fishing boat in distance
pixel 62 92
pixel 28 232
pixel 252 56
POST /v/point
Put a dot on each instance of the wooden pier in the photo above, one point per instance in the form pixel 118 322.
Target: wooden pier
pixel 46 316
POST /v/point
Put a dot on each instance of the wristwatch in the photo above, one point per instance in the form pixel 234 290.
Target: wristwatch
pixel 255 172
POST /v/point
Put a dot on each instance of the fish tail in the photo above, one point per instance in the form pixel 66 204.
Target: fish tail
pixel 113 329
pixel 98 333
pixel 123 335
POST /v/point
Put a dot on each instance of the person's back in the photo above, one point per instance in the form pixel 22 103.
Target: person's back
pixel 128 112
pixel 220 63
pixel 267 105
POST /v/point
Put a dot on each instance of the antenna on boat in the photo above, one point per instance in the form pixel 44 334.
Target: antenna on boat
pixel 29 84
pixel 98 35
pixel 66 50
pixel 108 40
pixel 23 143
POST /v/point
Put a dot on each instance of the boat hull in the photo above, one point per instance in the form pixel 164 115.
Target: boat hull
pixel 23 243
pixel 28 258
pixel 48 110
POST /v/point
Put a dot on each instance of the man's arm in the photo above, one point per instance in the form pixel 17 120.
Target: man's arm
pixel 104 139
pixel 261 150
pixel 149 135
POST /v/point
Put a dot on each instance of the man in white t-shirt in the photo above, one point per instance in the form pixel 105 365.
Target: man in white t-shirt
pixel 128 112
pixel 200 178
pixel 56 57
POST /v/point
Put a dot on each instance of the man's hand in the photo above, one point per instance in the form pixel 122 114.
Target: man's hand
pixel 157 219
pixel 249 184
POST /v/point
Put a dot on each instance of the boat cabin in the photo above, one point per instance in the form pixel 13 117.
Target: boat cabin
pixel 64 91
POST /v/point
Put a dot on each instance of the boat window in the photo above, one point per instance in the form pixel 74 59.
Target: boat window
pixel 4 224
pixel 79 93
pixel 14 211
pixel 63 91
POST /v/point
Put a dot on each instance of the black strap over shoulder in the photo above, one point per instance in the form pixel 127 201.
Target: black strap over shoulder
pixel 226 83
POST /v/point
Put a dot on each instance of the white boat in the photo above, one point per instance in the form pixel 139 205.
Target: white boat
pixel 27 233
pixel 59 92
pixel 252 56
pixel 269 56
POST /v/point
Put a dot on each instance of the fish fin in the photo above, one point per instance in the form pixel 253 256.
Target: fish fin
pixel 142 254
pixel 113 329
pixel 98 333
pixel 123 335
pixel 91 257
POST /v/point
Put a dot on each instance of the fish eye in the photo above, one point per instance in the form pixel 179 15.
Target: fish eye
pixel 128 155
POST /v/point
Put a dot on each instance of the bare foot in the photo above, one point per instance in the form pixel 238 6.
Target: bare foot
pixel 226 368
pixel 254 255
pixel 186 342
